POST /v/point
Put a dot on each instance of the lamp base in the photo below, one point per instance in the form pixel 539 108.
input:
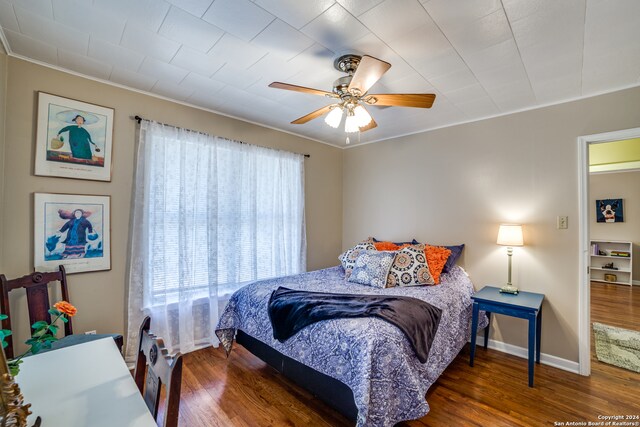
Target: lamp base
pixel 509 289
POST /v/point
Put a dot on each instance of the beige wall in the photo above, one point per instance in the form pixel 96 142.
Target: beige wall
pixel 621 185
pixel 100 296
pixel 3 99
pixel 456 185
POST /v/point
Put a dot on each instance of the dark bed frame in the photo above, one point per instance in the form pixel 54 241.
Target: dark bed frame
pixel 333 392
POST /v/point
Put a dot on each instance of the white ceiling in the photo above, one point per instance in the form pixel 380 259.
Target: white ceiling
pixel 481 57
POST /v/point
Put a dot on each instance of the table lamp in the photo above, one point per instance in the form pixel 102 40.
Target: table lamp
pixel 510 235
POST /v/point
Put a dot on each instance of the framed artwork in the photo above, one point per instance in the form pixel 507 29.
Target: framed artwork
pixel 72 230
pixel 73 139
pixel 609 210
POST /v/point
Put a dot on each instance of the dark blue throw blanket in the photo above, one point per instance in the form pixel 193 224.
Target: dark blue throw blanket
pixel 291 310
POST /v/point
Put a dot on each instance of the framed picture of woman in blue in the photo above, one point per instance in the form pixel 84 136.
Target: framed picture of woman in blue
pixel 73 230
pixel 73 139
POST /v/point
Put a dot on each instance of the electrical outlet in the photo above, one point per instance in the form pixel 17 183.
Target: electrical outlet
pixel 90 332
pixel 563 222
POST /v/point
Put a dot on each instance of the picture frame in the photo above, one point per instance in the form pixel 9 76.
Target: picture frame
pixel 609 210
pixel 73 138
pixel 72 230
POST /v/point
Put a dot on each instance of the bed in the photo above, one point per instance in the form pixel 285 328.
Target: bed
pixel 371 357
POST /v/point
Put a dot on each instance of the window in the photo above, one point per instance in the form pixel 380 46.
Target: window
pixel 210 215
pixel 250 229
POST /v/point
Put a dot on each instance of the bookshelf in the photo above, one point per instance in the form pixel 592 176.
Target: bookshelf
pixel 611 252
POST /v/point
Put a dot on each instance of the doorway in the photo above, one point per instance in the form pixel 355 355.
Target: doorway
pixel 586 217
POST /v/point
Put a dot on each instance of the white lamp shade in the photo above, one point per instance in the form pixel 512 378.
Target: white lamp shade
pixel 334 117
pixel 351 124
pixel 362 116
pixel 510 235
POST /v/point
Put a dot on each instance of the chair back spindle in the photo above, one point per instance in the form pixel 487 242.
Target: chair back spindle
pixel 37 288
pixel 155 367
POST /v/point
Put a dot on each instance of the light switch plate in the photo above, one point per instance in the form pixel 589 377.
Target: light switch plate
pixel 563 222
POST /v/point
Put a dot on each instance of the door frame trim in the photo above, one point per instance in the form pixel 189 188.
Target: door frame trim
pixel 584 285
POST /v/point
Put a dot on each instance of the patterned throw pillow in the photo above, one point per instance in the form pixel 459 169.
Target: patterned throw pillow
pixel 348 258
pixel 437 257
pixel 372 268
pixel 410 268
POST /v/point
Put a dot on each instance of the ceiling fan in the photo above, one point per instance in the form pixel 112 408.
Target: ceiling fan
pixel 351 94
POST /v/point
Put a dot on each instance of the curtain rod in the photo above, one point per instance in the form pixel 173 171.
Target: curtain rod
pixel 139 119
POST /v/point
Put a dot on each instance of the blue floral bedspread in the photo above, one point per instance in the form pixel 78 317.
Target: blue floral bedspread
pixel 371 356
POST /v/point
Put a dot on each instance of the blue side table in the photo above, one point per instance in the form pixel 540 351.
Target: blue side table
pixel 525 305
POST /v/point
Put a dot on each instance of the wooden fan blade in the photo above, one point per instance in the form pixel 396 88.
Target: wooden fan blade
pixel 312 115
pixel 371 125
pixel 287 86
pixel 419 100
pixel 368 73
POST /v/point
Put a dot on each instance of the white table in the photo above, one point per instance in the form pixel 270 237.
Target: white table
pixel 83 385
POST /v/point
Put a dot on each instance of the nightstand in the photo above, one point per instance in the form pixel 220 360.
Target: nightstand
pixel 525 305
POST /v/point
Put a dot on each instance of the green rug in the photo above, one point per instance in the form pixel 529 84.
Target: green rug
pixel 617 346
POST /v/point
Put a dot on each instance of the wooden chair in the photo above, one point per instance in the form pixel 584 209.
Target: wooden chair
pixel 37 288
pixel 153 358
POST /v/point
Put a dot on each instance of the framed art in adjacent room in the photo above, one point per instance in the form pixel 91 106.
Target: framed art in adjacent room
pixel 609 210
pixel 72 230
pixel 73 138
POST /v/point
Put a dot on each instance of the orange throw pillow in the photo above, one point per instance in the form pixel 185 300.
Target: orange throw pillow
pixel 389 246
pixel 436 259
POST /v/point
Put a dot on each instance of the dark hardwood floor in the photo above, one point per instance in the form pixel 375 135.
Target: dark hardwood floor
pixel 243 391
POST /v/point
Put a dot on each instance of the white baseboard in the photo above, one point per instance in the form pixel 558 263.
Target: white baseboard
pixel 636 282
pixel 547 359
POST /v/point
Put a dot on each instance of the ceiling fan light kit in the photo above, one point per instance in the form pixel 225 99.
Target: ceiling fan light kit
pixel 362 116
pixel 351 93
pixel 351 123
pixel 334 117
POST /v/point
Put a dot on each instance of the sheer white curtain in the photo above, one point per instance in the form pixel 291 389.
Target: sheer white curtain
pixel 209 215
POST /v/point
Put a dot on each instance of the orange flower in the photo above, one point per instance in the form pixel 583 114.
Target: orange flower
pixel 65 308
